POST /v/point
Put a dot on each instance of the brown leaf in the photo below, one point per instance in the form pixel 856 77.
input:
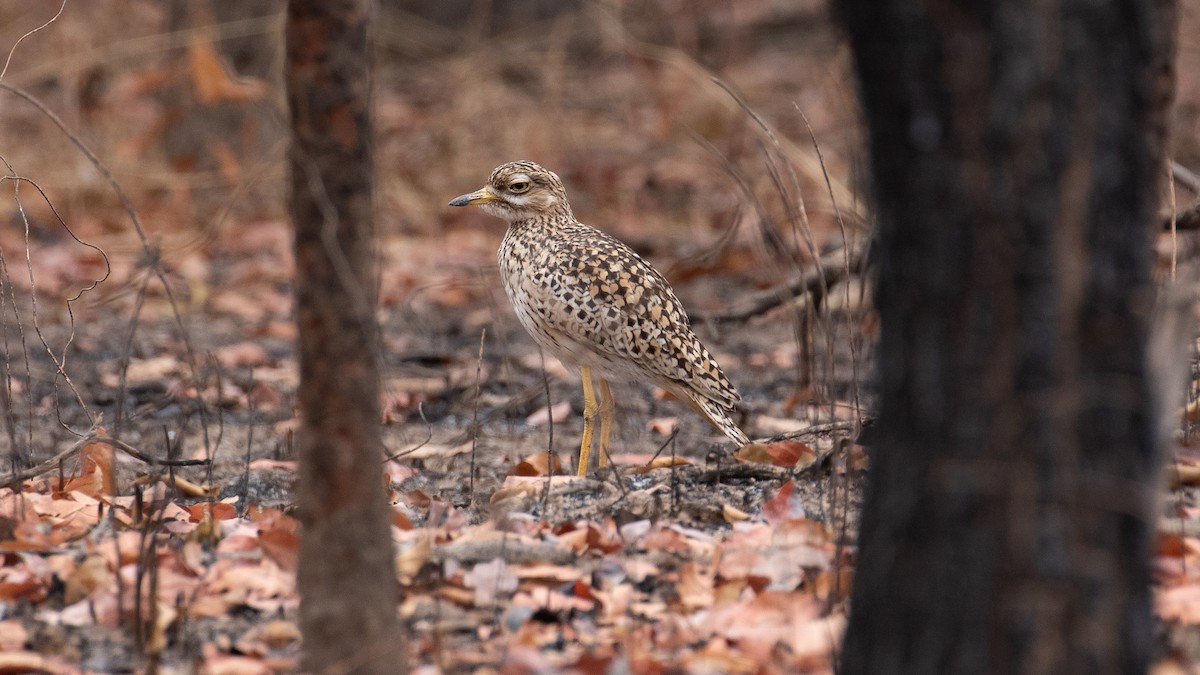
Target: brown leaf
pixel 695 587
pixel 542 416
pixel 32 662
pixel 282 545
pixel 210 81
pixel 754 453
pixel 536 465
pixel 733 514
pixel 663 426
pixel 410 560
pixel 489 580
pixel 1181 603
pixel 96 460
pixel 666 462
pixel 241 355
pixel 210 511
pixel 91 574
pixel 13 635
pixel 779 507
pixel 1183 473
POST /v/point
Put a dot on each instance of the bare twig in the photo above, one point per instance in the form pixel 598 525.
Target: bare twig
pixel 116 444
pixel 400 454
pixel 153 258
pixel 550 440
pixel 1186 177
pixel 475 416
pixel 828 271
pixel 16 44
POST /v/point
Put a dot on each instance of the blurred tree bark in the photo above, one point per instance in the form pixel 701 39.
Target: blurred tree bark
pixel 346 579
pixel 1016 150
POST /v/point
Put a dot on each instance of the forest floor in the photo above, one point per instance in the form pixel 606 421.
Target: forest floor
pixel 147 520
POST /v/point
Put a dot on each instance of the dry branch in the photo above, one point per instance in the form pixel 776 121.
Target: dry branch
pixel 52 463
pixel 829 270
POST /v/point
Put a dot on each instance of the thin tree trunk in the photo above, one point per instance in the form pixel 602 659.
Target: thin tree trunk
pixel 346 578
pixel 1016 149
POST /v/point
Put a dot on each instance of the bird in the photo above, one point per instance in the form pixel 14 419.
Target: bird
pixel 591 301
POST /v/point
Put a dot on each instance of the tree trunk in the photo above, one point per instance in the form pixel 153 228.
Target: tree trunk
pixel 1016 150
pixel 346 579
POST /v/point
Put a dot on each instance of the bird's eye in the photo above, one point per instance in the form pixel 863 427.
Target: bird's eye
pixel 518 187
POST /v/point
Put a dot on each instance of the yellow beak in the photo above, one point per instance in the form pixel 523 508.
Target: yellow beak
pixel 481 196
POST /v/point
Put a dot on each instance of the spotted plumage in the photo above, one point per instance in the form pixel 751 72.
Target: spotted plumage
pixel 594 303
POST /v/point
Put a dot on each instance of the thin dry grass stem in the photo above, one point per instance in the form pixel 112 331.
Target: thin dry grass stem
pixel 827 270
pixel 804 317
pixel 674 480
pixel 94 437
pixel 116 542
pixel 211 447
pixel 1174 220
pixel 1186 177
pixel 428 437
pixel 475 414
pixel 250 425
pixel 10 411
pixel 733 172
pixel 612 28
pixel 550 436
pixel 139 48
pixel 144 600
pixel 60 361
pixel 499 319
pixel 847 246
pixel 127 355
pixel 153 256
pixel 663 446
pixel 21 39
pixel 790 194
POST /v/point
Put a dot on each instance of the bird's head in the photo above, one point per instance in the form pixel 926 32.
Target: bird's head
pixel 519 191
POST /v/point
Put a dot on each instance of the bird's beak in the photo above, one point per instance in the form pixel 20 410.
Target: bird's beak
pixel 481 196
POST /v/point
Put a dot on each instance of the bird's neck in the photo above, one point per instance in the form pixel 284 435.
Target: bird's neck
pixel 548 220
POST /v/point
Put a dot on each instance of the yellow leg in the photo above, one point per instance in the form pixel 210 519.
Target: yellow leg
pixel 606 419
pixel 589 419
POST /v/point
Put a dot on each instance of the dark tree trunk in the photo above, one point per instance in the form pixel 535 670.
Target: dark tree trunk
pixel 1016 150
pixel 347 583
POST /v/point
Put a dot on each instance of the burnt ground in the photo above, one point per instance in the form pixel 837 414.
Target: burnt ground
pixel 691 132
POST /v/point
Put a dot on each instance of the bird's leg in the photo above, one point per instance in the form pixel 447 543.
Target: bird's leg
pixel 589 419
pixel 606 420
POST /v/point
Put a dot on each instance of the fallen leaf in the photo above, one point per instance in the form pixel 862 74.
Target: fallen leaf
pixel 241 355
pixel 32 662
pixel 210 511
pixel 235 665
pixel 663 426
pixel 489 580
pixel 733 514
pixel 412 558
pixel 667 462
pixel 147 371
pixel 13 635
pixel 1181 603
pixel 695 588
pixel 542 416
pixel 754 453
pixel 536 465
pixel 93 573
pixel 559 574
pixel 780 507
pixel 1181 473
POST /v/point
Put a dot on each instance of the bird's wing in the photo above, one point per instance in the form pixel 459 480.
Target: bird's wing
pixel 615 302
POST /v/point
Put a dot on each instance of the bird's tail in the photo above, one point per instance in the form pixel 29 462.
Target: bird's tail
pixel 719 416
